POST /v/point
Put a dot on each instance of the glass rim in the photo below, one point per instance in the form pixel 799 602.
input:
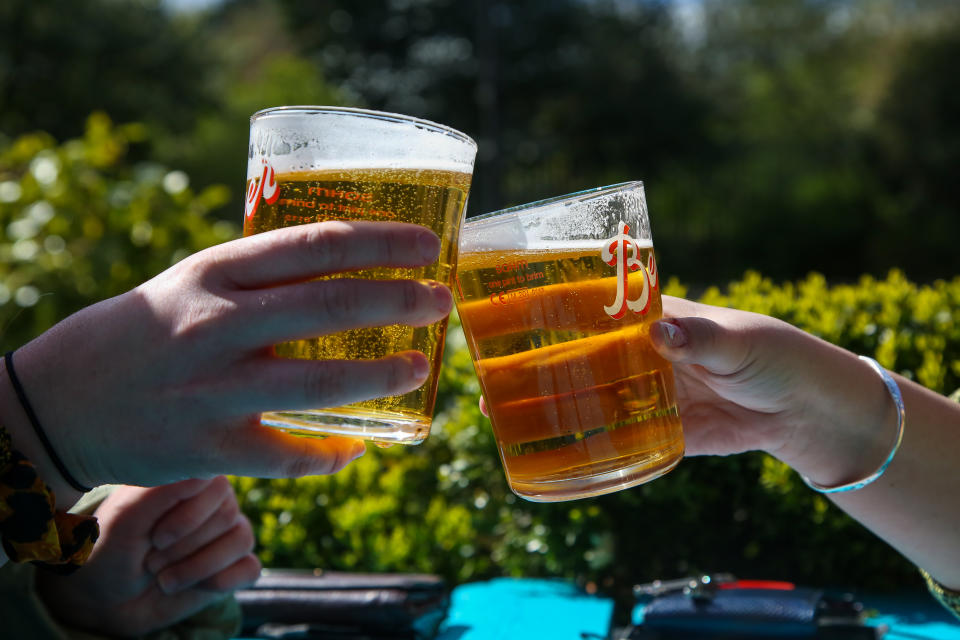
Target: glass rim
pixel 363 113
pixel 576 196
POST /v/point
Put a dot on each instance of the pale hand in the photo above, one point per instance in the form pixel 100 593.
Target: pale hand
pixel 167 381
pixel 746 382
pixel 164 553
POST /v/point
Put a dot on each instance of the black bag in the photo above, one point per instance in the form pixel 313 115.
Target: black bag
pixel 708 608
pixel 331 605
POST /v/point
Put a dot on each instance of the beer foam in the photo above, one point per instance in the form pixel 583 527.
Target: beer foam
pixel 578 244
pixel 579 221
pixel 303 140
pixel 508 244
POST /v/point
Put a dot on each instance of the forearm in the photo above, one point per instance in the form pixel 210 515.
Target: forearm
pixel 914 505
pixel 848 430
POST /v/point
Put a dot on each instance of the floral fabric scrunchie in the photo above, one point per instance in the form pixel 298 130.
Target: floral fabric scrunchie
pixel 31 528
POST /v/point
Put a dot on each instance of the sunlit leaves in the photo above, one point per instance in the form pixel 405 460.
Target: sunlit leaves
pixel 80 221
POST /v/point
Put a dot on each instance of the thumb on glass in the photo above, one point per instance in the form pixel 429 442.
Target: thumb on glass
pixel 699 341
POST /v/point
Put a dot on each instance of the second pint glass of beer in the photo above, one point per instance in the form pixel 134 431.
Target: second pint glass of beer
pixel 556 299
pixel 312 164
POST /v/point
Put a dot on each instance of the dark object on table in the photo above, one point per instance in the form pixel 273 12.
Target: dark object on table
pixel 720 606
pixel 305 605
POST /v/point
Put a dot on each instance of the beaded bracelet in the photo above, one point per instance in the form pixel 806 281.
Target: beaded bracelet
pixel 31 530
pixel 894 390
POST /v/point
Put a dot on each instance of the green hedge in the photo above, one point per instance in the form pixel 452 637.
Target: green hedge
pixel 85 220
pixel 444 506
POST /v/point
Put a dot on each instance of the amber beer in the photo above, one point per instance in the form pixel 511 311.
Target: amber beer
pixel 579 401
pixel 432 197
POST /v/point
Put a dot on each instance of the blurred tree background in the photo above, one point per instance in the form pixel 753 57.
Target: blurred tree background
pixel 783 137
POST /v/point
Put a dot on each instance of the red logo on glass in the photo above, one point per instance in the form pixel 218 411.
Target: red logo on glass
pixel 265 186
pixel 623 252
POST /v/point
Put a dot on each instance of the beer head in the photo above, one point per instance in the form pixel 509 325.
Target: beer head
pixel 297 139
pixel 579 220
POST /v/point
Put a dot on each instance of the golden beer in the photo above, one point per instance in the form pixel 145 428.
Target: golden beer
pixel 579 402
pixel 428 197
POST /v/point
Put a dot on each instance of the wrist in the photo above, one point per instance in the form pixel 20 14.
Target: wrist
pixel 25 439
pixel 844 425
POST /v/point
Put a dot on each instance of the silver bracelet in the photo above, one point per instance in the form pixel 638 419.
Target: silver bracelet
pixel 901 419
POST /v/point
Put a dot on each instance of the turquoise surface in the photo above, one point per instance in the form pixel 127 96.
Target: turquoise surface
pixel 912 616
pixel 512 609
pixel 522 609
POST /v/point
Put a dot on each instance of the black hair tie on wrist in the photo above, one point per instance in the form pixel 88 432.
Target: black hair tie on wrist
pixel 28 408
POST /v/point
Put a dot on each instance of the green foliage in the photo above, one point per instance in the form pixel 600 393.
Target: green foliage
pixel 216 150
pixel 61 60
pixel 80 222
pixel 444 506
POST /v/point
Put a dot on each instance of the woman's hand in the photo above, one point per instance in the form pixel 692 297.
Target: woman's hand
pixel 167 381
pixel 735 373
pixel 164 553
pixel 746 381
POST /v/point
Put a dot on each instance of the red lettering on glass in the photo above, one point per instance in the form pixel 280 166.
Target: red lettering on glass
pixel 265 186
pixel 623 252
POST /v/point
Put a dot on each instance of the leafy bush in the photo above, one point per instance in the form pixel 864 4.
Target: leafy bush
pixel 444 506
pixel 81 221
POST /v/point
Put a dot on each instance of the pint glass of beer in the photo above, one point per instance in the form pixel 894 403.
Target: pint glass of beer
pixel 311 164
pixel 556 299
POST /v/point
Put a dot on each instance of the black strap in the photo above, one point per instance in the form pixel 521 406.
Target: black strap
pixel 28 408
